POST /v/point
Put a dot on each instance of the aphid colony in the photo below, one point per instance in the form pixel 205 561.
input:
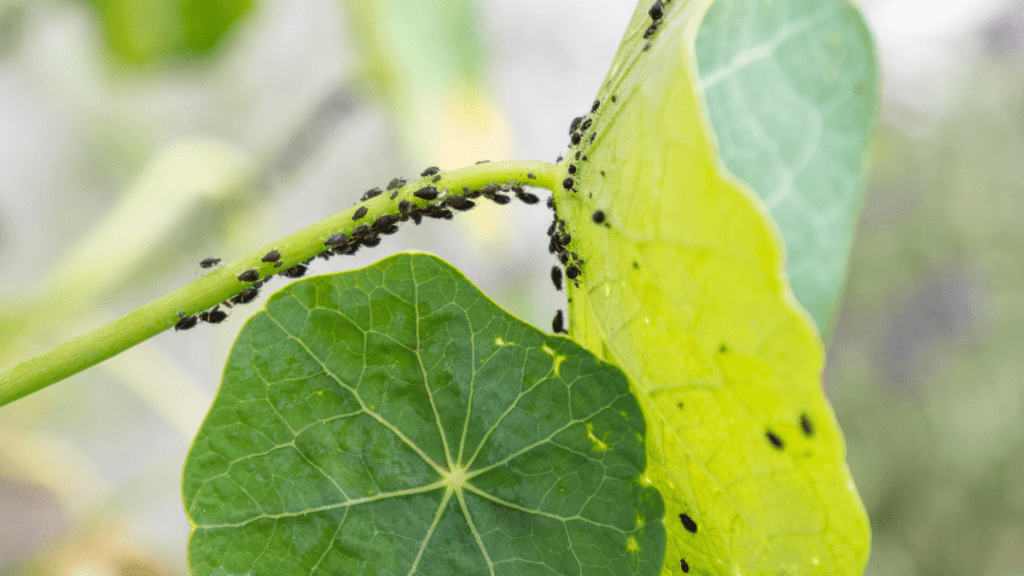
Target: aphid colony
pixel 366 234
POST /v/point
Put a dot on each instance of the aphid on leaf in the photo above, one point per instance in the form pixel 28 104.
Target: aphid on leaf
pixel 558 324
pixel 272 256
pixel 551 204
pixel 572 168
pixel 215 316
pixel 430 171
pixel 394 195
pixel 185 323
pixel 559 161
pixel 556 277
pixel 575 139
pixel 500 199
pixel 651 30
pixel 483 161
pixel 338 239
pixel 436 179
pixel 588 123
pixel 384 222
pixel 403 207
pixel 209 262
pixel 592 136
pixel 296 271
pixel 459 203
pixel 577 156
pixel 245 296
pixel 526 197
pixel 567 183
pixel 250 275
pixel 657 10
pixel 597 104
pixel 688 523
pixel 416 216
pixel 614 99
pixel 575 124
pixel 372 193
pixel 565 239
pixel 597 217
pixel 428 193
pixel 807 425
pixel 370 240
pixel 572 272
pixel 774 439
pixel 564 259
pixel 396 183
pixel 531 175
pixel 361 231
pixel 684 566
pixel 360 212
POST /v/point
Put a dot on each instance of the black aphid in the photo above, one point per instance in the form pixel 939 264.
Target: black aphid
pixel 396 183
pixel 435 211
pixel 575 139
pixel 296 271
pixel 578 155
pixel 272 256
pixel 647 47
pixel 372 193
pixel 575 124
pixel 215 316
pixel 428 193
pixel 483 161
pixel 572 272
pixel 361 231
pixel 688 523
pixel 250 275
pixel 394 195
pixel 657 10
pixel 526 197
pixel 558 324
pixel 592 136
pixel 597 104
pixel 551 204
pixel 564 239
pixel 384 222
pixel 416 216
pixel 684 566
pixel 567 183
pixel 563 258
pixel 436 179
pixel 572 168
pixel 602 174
pixel 204 315
pixel 597 216
pixel 209 262
pixel 650 31
pixel 338 239
pixel 186 322
pixel 559 160
pixel 614 99
pixel 588 123
pixel 459 202
pixel 807 425
pixel 470 193
pixel 245 296
pixel 500 199
pixel 531 175
pixel 403 207
pixel 430 171
pixel 774 439
pixel 556 277
pixel 360 212
pixel 553 245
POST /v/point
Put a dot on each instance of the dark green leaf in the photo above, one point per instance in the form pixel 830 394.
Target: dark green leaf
pixel 393 420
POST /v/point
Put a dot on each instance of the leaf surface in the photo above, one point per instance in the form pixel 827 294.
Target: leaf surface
pixel 791 89
pixel 683 287
pixel 393 420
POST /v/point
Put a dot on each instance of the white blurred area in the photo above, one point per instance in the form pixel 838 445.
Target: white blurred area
pixel 90 468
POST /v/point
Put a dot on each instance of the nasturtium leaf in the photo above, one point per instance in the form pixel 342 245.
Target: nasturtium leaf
pixel 682 285
pixel 791 89
pixel 393 420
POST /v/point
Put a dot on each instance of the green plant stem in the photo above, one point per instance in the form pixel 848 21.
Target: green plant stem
pixel 221 284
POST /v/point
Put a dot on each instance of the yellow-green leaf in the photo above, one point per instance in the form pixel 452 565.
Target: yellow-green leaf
pixel 683 286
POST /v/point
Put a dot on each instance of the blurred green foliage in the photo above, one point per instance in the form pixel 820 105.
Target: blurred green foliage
pixel 148 32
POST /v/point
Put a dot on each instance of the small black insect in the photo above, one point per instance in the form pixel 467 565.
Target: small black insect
pixel 338 239
pixel 597 104
pixel 588 123
pixel 360 212
pixel 250 275
pixel 807 425
pixel 553 246
pixel 396 183
pixel 459 202
pixel 394 195
pixel 567 183
pixel 272 256
pixel 558 324
pixel 245 296
pixel 774 439
pixel 361 231
pixel 572 272
pixel 657 10
pixel 372 193
pixel 428 193
pixel 602 173
pixel 209 262
pixel 436 179
pixel 215 316
pixel 688 523
pixel 531 175
pixel 578 155
pixel 403 207
pixel 575 124
pixel 614 99
pixel 384 222
pixel 651 30
pixel 636 265
pixel 564 259
pixel 597 217
pixel 430 171
pixel 500 199
pixel 185 323
pixel 575 139
pixel 572 168
pixel 559 161
pixel 564 239
pixel 483 161
pixel 526 197
pixel 647 47
pixel 416 216
pixel 551 204
pixel 592 136
pixel 296 271
pixel 556 277
pixel 684 566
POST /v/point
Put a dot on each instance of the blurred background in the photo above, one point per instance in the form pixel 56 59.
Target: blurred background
pixel 224 124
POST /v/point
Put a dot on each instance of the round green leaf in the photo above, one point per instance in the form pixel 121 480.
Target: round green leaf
pixel 394 420
pixel 791 90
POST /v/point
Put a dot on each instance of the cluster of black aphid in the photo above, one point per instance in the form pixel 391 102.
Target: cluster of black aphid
pixel 656 12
